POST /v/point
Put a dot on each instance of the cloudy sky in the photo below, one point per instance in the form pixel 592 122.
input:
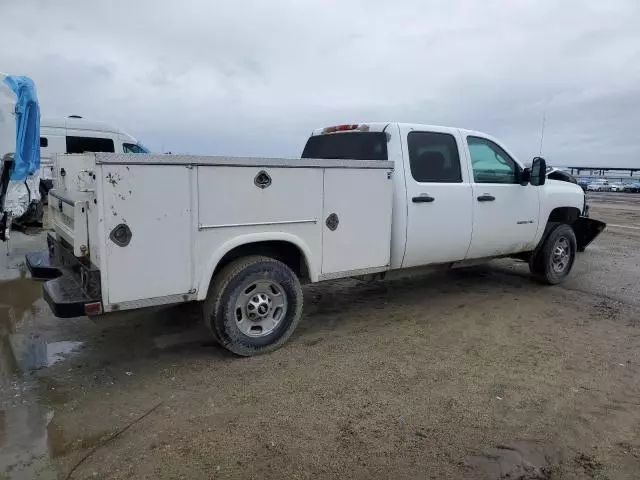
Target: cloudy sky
pixel 256 76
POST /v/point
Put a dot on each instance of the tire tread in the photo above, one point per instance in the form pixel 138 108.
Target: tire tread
pixel 213 305
pixel 539 264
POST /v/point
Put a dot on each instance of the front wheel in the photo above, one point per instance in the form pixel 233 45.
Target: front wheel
pixel 554 260
pixel 254 305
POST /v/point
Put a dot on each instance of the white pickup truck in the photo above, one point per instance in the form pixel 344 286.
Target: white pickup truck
pixel 240 235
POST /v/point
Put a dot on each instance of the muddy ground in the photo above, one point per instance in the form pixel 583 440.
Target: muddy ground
pixel 474 373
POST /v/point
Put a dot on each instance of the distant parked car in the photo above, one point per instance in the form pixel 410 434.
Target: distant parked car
pixel 632 187
pixel 616 187
pixel 600 185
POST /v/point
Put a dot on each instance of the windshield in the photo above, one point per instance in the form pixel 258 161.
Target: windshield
pixel 134 148
pixel 350 145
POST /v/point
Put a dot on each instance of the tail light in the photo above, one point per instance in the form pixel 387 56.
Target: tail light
pixel 93 308
pixel 346 127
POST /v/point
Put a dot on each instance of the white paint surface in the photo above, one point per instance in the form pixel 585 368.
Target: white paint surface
pixel 362 201
pixel 186 217
pixel 155 204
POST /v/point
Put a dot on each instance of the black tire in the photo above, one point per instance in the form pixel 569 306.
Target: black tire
pixel 38 215
pixel 221 309
pixel 549 268
pixel 45 186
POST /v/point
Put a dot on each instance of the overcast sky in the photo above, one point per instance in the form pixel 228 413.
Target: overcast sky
pixel 255 77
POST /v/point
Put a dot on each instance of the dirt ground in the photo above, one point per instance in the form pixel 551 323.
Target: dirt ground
pixel 470 373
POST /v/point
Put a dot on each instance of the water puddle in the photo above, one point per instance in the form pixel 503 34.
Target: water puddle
pixel 25 421
pixel 24 443
pixel 522 460
pixel 32 354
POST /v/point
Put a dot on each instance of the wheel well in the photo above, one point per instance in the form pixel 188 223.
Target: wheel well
pixel 285 252
pixel 566 215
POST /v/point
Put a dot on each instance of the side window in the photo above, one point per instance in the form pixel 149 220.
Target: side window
pixel 434 157
pixel 133 148
pixel 490 163
pixel 44 142
pixel 89 144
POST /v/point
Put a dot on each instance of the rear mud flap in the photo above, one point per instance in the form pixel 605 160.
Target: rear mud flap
pixel 586 230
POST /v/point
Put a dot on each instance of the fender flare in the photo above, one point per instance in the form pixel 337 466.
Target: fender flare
pixel 212 263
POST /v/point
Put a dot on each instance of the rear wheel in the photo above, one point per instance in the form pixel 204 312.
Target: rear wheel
pixel 254 305
pixel 554 260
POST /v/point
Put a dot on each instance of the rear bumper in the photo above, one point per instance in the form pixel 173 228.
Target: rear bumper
pixel 72 289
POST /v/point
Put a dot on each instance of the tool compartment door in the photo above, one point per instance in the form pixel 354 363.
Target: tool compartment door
pixel 356 230
pixel 154 203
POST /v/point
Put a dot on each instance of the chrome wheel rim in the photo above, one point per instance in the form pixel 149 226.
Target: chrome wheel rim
pixel 561 255
pixel 260 308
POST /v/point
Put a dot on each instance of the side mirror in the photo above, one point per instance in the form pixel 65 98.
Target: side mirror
pixel 538 173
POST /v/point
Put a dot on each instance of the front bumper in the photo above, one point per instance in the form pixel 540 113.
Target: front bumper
pixel 586 230
pixel 72 288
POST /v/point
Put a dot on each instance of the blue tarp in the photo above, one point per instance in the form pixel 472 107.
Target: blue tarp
pixel 27 156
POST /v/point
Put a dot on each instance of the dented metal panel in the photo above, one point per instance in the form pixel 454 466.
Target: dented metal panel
pixel 68 216
pixel 72 200
pixel 154 205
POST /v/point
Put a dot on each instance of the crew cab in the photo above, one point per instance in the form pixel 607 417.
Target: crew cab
pixel 241 235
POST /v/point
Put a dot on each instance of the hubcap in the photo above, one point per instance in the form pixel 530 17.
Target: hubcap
pixel 561 255
pixel 260 308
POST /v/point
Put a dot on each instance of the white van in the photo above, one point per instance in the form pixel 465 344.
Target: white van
pixel 75 134
pixel 22 199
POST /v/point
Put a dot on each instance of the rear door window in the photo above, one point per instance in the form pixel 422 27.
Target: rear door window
pixel 89 144
pixel 434 157
pixel 348 145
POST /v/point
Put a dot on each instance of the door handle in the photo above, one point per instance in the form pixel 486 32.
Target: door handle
pixel 423 199
pixel 486 198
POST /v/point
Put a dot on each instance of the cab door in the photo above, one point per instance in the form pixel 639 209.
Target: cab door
pixel 439 196
pixel 505 213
